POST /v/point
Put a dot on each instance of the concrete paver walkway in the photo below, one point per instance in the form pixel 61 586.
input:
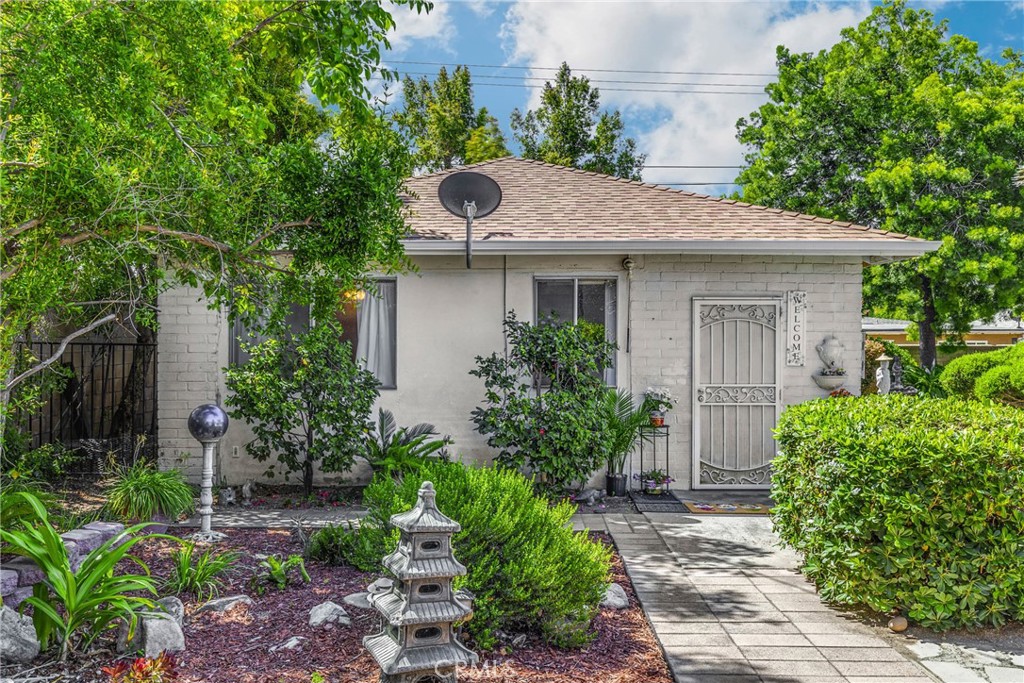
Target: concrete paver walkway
pixel 729 607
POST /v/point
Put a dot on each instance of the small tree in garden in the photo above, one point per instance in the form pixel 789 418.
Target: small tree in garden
pixel 306 399
pixel 544 403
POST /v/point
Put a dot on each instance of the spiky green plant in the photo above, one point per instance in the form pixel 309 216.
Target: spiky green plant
pixel 199 574
pixel 139 492
pixel 74 607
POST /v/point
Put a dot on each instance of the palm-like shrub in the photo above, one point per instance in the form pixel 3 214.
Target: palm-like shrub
pixel 621 430
pixel 141 491
pixel 74 607
pixel 393 449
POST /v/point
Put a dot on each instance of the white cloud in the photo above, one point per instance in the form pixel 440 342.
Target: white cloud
pixel 436 27
pixel 733 37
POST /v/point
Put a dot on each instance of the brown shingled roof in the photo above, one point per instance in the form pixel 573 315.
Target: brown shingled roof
pixel 547 202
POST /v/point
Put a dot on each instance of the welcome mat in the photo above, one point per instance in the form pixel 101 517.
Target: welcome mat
pixel 727 508
pixel 666 502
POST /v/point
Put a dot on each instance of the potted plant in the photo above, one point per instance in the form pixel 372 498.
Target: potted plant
pixel 658 400
pixel 654 482
pixel 622 431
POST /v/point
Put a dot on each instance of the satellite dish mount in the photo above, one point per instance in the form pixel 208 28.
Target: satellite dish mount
pixel 469 195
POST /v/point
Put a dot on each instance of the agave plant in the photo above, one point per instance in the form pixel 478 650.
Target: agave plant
pixel 74 607
pixel 405 449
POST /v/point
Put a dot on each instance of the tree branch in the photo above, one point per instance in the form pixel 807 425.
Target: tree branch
pixel 280 226
pixel 19 165
pixel 263 24
pixel 39 367
pixel 176 132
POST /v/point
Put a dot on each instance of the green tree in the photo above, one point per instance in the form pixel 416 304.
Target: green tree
pixel 307 400
pixel 899 127
pixel 445 128
pixel 151 143
pixel 568 129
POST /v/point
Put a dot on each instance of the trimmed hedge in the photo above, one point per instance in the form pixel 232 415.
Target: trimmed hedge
pixel 529 571
pixel 902 503
pixel 996 375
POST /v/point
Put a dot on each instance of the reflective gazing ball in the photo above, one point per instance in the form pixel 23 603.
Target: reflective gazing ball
pixel 208 423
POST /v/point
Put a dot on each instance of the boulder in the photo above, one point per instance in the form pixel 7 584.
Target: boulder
pixel 328 613
pixel 359 600
pixel 290 644
pixel 615 597
pixel 18 644
pixel 13 600
pixel 85 540
pixel 28 573
pixel 224 604
pixel 8 581
pixel 154 633
pixel 174 608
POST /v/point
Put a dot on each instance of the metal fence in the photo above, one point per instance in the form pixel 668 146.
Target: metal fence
pixel 107 407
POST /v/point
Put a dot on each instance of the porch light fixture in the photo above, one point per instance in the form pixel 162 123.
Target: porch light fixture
pixel 469 195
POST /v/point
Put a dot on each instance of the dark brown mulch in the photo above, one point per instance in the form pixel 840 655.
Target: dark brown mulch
pixel 234 647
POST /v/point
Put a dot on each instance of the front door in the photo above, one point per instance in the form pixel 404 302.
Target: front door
pixel 736 391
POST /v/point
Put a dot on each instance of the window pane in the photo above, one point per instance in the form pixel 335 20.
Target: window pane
pixel 597 306
pixel 554 297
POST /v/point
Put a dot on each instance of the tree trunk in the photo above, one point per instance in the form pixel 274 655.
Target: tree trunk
pixel 123 421
pixel 307 465
pixel 926 327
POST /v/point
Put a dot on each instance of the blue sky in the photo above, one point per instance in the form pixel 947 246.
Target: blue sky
pixel 708 45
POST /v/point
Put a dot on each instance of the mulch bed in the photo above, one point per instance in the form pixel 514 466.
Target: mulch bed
pixel 234 646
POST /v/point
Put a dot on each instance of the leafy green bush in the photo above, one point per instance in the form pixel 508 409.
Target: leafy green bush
pixel 544 404
pixel 198 575
pixel 69 606
pixel 996 375
pixel 528 569
pixel 278 572
pixel 901 503
pixel 139 492
pixel 307 400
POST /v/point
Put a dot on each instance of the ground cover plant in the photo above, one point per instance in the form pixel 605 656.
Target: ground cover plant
pixel 907 504
pixel 544 401
pixel 200 574
pixel 529 571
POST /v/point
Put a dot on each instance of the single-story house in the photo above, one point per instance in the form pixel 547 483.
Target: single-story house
pixel 720 302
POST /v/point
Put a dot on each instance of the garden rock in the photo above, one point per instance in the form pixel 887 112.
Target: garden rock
pixel 358 600
pixel 19 596
pixel 590 496
pixel 615 597
pixel 18 644
pixel 155 633
pixel 174 608
pixel 28 572
pixel 85 540
pixel 8 581
pixel 290 644
pixel 328 613
pixel 224 604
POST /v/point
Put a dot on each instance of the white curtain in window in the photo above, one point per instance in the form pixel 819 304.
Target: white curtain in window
pixel 375 320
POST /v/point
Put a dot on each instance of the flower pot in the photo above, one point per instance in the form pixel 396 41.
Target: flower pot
pixel 657 419
pixel 829 382
pixel 653 488
pixel 615 484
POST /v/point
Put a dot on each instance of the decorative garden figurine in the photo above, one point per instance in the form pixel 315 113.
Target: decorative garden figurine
pixel 882 378
pixel 897 380
pixel 418 643
pixel 207 424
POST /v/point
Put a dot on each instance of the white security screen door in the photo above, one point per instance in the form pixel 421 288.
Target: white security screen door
pixel 736 391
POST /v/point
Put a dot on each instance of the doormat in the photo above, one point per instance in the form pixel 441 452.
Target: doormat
pixel 727 508
pixel 666 502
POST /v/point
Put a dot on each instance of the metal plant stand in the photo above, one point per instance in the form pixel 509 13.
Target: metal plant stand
pixel 654 443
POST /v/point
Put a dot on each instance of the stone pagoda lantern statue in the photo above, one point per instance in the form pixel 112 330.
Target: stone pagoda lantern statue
pixel 418 643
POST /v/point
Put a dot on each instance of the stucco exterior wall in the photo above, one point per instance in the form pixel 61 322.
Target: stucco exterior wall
pixel 447 315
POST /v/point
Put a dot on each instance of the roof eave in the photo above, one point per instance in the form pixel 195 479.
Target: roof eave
pixel 869 249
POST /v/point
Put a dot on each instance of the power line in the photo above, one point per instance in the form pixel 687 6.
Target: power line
pixel 655 182
pixel 645 90
pixel 611 71
pixel 650 166
pixel 601 80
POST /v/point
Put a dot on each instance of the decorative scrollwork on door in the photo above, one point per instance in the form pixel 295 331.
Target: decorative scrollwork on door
pixel 763 394
pixel 763 314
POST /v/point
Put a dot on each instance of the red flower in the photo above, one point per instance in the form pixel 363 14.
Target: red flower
pixel 542 432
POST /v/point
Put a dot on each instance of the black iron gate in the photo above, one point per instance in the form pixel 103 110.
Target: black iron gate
pixel 107 407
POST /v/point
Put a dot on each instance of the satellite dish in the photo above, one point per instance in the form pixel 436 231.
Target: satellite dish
pixel 469 195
